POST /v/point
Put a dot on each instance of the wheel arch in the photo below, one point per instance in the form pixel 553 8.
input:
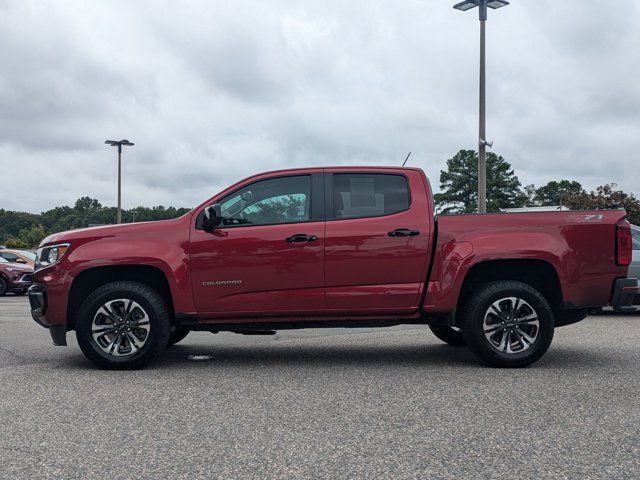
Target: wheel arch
pixel 88 280
pixel 540 274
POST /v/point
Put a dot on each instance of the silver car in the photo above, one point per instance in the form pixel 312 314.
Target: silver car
pixel 634 268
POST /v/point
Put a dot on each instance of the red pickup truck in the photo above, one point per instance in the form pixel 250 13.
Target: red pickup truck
pixel 331 247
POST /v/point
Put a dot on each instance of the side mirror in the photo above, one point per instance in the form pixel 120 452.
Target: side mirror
pixel 20 260
pixel 212 217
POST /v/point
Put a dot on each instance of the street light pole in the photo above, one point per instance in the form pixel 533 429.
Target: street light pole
pixel 119 214
pixel 119 144
pixel 482 133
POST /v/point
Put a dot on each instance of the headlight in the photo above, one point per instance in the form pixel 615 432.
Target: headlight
pixel 47 256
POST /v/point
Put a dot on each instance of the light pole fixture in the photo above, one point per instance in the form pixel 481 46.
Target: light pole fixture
pixel 482 141
pixel 119 144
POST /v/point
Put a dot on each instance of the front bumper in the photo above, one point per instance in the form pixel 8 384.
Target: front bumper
pixel 39 302
pixel 624 292
pixel 22 282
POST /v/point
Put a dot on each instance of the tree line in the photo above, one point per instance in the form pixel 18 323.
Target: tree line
pixel 26 230
pixel 458 194
pixel 459 190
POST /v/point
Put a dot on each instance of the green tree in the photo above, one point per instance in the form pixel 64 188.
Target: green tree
pixel 33 236
pixel 11 223
pixel 26 230
pixel 13 242
pixel 606 197
pixel 459 184
pixel 554 193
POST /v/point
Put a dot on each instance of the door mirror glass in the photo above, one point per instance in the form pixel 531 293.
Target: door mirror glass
pixel 211 217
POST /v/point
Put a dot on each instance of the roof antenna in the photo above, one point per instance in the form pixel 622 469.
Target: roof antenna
pixel 405 160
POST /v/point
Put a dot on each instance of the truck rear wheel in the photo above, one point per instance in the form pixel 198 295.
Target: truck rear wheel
pixel 122 325
pixel 507 324
pixel 448 334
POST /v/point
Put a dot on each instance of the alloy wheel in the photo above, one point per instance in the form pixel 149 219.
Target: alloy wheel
pixel 511 325
pixel 120 327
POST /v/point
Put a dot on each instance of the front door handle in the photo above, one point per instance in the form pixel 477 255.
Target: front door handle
pixel 403 232
pixel 301 237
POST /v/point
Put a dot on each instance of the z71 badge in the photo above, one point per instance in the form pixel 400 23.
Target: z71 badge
pixel 592 218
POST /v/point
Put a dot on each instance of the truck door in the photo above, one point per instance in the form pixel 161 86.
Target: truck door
pixel 377 242
pixel 267 256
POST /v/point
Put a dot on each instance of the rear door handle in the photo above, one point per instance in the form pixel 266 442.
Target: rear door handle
pixel 403 232
pixel 301 237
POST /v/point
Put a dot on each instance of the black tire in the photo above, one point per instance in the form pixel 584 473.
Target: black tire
pixel 3 287
pixel 177 334
pixel 156 312
pixel 473 317
pixel 448 335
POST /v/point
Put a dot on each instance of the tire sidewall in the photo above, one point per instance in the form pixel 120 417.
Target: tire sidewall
pixel 473 330
pixel 158 322
pixel 4 286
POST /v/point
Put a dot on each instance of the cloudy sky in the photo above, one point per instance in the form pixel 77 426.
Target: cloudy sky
pixel 212 91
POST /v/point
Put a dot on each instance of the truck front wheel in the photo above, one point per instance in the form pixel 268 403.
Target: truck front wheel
pixel 507 324
pixel 122 325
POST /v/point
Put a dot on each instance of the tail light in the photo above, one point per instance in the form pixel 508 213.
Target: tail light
pixel 623 244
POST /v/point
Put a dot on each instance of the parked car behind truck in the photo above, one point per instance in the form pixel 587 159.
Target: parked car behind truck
pixel 18 256
pixel 331 247
pixel 634 268
pixel 14 278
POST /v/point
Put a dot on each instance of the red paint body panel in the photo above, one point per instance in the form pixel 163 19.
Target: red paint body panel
pixel 354 269
pixel 253 271
pixel 579 245
pixel 159 244
pixel 369 272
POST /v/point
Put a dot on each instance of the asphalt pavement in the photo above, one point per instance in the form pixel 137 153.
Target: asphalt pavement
pixel 338 403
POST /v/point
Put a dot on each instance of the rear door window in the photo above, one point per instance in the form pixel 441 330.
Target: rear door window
pixel 357 195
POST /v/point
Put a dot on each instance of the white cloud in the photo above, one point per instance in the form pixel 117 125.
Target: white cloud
pixel 212 91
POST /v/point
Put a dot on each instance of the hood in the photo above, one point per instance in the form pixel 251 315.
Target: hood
pixel 16 267
pixel 109 231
